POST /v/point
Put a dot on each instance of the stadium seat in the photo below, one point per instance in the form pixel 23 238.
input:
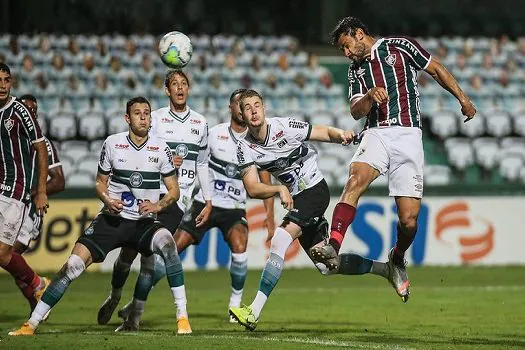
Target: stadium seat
pixel 328 162
pixel 95 146
pixel 444 124
pixel 75 153
pixel 498 123
pixel 92 126
pixel 68 164
pixel 510 167
pixel 437 175
pixel 74 144
pixel 519 124
pixel 459 152
pixel 486 150
pixel 80 179
pixel 88 164
pixel 117 125
pixel 474 127
pixel 321 117
pixel 62 128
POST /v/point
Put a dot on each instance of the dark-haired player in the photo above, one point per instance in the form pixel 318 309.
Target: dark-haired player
pixel 383 89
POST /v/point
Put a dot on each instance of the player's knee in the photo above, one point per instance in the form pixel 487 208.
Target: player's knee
pixel 408 221
pixel 74 267
pixel 162 241
pixel 5 257
pixel 238 239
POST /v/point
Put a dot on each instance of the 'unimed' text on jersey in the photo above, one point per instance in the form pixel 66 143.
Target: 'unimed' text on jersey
pixel 284 153
pixel 18 131
pixel 393 65
pixel 187 136
pixel 135 170
pixel 225 180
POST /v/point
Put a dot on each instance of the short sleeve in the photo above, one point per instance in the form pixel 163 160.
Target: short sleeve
pixel 298 129
pixel 355 89
pixel 418 57
pixel 243 155
pixel 29 122
pixel 104 163
pixel 166 162
pixel 53 160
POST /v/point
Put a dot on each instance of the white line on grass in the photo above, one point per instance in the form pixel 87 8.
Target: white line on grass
pixel 295 340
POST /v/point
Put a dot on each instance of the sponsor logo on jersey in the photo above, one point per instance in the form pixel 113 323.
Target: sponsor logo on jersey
pixel 222 137
pixel 391 59
pixel 240 155
pixel 195 121
pixel 360 72
pixel 169 131
pixel 220 185
pixel 9 123
pixel 153 148
pixel 5 187
pixel 121 146
pixel 135 179
pixel 153 159
pixel 230 170
pixel 281 143
pixel 127 198
pixel 26 117
pixel 260 156
pixel 166 120
pixel 278 135
pixel 121 160
pixel 195 131
pixel 181 150
pixel 296 124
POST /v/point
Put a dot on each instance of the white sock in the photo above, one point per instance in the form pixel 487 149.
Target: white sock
pixel 236 298
pixel 38 314
pixel 258 303
pixel 179 294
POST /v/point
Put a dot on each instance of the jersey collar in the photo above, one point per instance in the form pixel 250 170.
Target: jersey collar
pixel 138 148
pixel 178 118
pixel 232 134
pixel 374 47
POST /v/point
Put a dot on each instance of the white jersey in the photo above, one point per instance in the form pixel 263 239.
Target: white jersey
pixel 135 170
pixel 186 136
pixel 284 153
pixel 225 180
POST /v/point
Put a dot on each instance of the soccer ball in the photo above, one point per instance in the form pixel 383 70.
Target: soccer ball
pixel 175 50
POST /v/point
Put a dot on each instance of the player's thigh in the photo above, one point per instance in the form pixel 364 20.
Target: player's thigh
pixel 104 234
pixel 12 215
pixel 83 252
pixel 189 225
pixel 372 153
pixel 309 207
pixel 234 227
pixel 171 217
pixel 183 239
pixel 406 163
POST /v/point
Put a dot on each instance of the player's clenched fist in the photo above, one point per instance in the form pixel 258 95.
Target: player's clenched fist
pixel 378 94
pixel 177 161
pixel 286 198
pixel 468 109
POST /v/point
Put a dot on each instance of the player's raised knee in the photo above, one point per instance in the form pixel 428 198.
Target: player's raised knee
pixel 408 221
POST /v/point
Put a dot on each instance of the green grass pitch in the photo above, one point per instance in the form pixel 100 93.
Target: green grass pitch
pixel 450 308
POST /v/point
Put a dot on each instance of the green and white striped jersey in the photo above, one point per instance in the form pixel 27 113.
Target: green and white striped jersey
pixel 186 134
pixel 136 171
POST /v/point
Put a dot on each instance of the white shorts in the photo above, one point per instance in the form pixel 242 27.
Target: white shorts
pixel 12 215
pixel 398 151
pixel 30 230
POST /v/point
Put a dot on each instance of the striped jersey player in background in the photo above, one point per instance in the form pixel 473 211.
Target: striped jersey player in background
pixel 132 165
pixel 228 199
pixel 186 133
pixel 383 88
pixel 20 134
pixel 32 226
pixel 280 146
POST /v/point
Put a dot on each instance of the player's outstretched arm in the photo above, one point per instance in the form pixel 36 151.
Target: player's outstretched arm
pixel 40 199
pixel 449 83
pixel 330 134
pixel 260 190
pixel 101 187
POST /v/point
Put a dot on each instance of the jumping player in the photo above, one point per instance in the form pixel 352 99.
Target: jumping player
pixel 383 88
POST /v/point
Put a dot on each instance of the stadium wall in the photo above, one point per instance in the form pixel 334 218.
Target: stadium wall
pixel 480 230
